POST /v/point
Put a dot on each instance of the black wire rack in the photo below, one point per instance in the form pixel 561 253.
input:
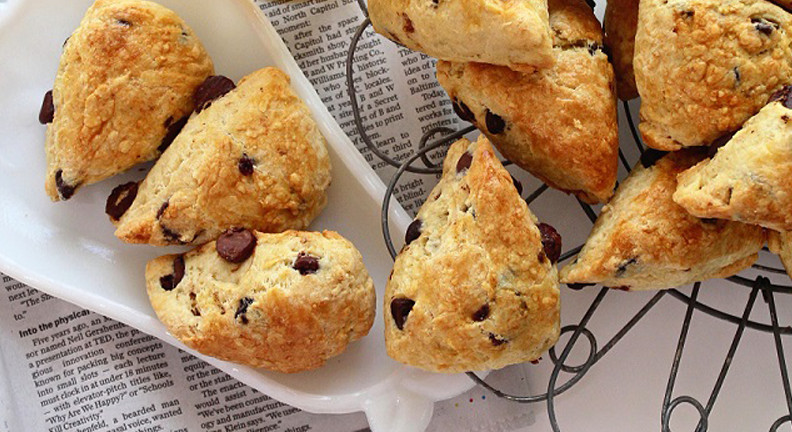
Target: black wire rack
pixel 574 374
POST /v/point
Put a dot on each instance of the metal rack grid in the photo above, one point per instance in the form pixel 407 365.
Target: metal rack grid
pixel 575 373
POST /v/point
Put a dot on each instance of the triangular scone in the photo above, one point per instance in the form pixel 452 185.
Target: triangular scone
pixel 704 67
pixel 643 240
pixel 473 289
pixel 749 179
pixel 254 159
pixel 560 123
pixel 512 33
pixel 126 79
pixel 621 20
pixel 780 243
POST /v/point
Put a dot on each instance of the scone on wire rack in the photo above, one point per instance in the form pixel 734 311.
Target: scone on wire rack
pixel 704 67
pixel 250 157
pixel 620 23
pixel 476 286
pixel 509 33
pixel 643 240
pixel 123 89
pixel 286 302
pixel 749 178
pixel 780 243
pixel 560 123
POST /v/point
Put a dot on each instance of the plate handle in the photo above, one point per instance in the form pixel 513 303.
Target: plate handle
pixel 398 411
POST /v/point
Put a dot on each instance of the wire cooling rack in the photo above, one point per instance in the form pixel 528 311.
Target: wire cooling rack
pixel 574 374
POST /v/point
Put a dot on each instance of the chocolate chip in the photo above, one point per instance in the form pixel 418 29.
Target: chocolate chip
pixel 169 282
pixel 463 111
pixel 124 23
pixel 591 3
pixel 400 309
pixel 245 165
pixel 535 361
pixel 413 231
pixel 623 267
pixel 551 241
pixel 194 305
pixel 517 185
pixel 495 123
pixel 764 26
pixel 496 340
pixel 162 209
pixel 47 111
pixel 482 313
pixel 594 47
pixel 709 221
pixel 244 302
pixel 306 264
pixel 650 157
pixel 408 26
pixel 784 95
pixel 121 199
pixel 172 132
pixel 464 162
pixel 718 143
pixel 736 71
pixel 579 286
pixel 64 189
pixel 620 288
pixel 211 89
pixel 170 235
pixel 687 13
pixel 236 245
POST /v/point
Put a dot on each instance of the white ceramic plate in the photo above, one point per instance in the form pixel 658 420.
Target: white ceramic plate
pixel 68 249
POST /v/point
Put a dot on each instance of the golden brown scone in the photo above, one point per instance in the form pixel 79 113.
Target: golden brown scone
pixel 748 179
pixel 780 243
pixel 254 158
pixel 475 288
pixel 621 20
pixel 560 123
pixel 284 302
pixel 511 33
pixel 703 67
pixel 643 240
pixel 125 80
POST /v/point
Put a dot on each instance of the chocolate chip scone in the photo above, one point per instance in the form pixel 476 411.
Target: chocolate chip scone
pixel 621 20
pixel 748 179
pixel 124 85
pixel 284 302
pixel 703 67
pixel 643 240
pixel 559 123
pixel 476 286
pixel 509 33
pixel 250 158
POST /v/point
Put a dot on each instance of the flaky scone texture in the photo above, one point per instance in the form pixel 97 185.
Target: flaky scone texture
pixel 620 23
pixel 780 243
pixel 510 33
pixel 125 75
pixel 263 312
pixel 642 240
pixel 560 124
pixel 198 188
pixel 484 293
pixel 703 67
pixel 750 178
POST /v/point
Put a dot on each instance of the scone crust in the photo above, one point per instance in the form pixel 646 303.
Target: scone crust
pixel 703 67
pixel 292 322
pixel 513 33
pixel 126 74
pixel 196 190
pixel 620 23
pixel 780 243
pixel 479 245
pixel 643 240
pixel 560 123
pixel 748 180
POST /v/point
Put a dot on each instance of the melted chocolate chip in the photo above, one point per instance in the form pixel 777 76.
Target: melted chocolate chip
pixel 464 162
pixel 650 157
pixel 517 185
pixel 245 165
pixel 620 288
pixel 579 286
pixel 169 282
pixel 172 132
pixel 413 231
pixel 623 267
pixel 495 123
pixel 306 264
pixel 211 89
pixel 463 111
pixel 593 48
pixel 123 23
pixel 400 309
pixel 482 313
pixel 496 340
pixel 121 199
pixel 551 241
pixel 64 189
pixel 718 143
pixel 736 72
pixel 47 111
pixel 408 26
pixel 535 361
pixel 236 245
pixel 764 26
pixel 162 209
pixel 687 13
pixel 194 305
pixel 170 235
pixel 784 94
pixel 244 302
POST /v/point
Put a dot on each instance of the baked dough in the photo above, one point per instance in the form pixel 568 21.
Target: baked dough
pixel 126 77
pixel 560 124
pixel 254 158
pixel 621 20
pixel 474 288
pixel 643 240
pixel 295 300
pixel 704 67
pixel 512 33
pixel 780 243
pixel 749 178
